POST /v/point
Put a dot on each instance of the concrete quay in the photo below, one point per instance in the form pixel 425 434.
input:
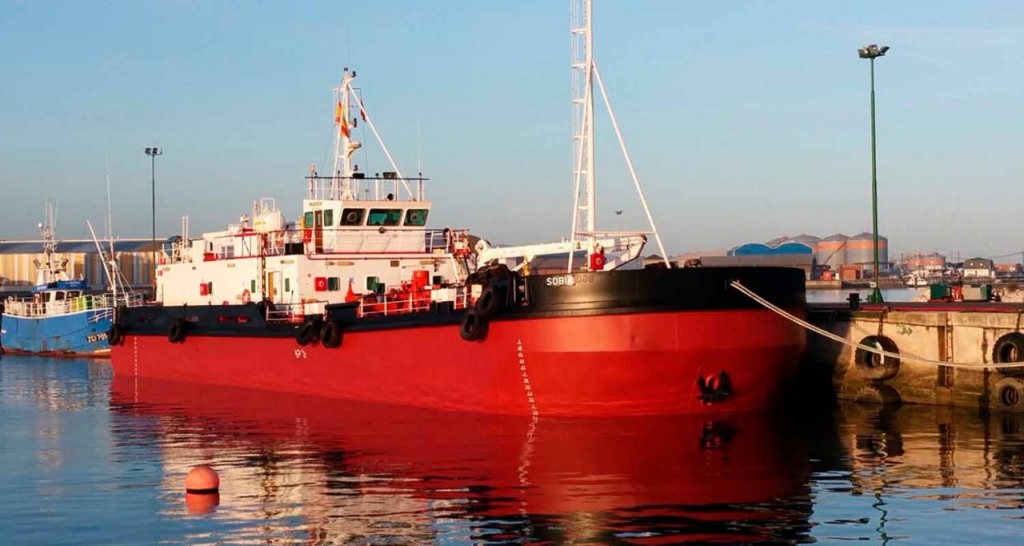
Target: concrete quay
pixel 952 354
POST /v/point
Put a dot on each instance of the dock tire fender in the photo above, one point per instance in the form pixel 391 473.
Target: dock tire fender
pixel 1009 394
pixel 115 334
pixel 1009 348
pixel 882 395
pixel 177 331
pixel 490 302
pixel 331 335
pixel 875 367
pixel 473 326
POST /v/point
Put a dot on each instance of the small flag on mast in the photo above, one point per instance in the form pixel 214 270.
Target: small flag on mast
pixel 337 113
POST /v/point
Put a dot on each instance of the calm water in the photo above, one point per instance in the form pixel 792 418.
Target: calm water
pixel 88 458
pixel 889 294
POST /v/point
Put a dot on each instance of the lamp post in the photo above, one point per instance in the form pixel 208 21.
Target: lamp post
pixel 152 153
pixel 870 52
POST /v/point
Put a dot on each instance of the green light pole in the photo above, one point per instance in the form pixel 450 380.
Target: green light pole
pixel 871 52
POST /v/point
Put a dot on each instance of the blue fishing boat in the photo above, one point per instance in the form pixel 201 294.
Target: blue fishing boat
pixel 62 316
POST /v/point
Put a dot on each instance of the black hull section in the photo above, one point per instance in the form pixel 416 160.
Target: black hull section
pixel 532 297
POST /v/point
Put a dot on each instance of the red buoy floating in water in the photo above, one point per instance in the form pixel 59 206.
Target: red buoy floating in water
pixel 202 480
pixel 202 487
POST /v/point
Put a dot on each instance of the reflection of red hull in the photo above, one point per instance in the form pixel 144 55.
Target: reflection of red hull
pixel 614 364
pixel 502 464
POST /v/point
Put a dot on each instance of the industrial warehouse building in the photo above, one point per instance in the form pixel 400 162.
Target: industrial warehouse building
pixel 789 253
pixel 840 256
pixel 134 257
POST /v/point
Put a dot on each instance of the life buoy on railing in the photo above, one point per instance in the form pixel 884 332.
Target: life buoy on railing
pixel 246 296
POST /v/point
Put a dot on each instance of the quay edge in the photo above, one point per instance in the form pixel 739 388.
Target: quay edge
pixel 975 334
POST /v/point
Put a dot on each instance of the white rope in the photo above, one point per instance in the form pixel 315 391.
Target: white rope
pixel 970 365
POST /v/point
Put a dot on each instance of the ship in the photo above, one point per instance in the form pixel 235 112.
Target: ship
pixel 358 299
pixel 62 316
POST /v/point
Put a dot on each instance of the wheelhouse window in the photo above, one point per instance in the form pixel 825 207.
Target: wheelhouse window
pixel 328 217
pixel 384 217
pixel 352 217
pixel 416 217
pixel 307 220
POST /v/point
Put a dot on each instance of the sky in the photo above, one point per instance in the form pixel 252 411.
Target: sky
pixel 745 120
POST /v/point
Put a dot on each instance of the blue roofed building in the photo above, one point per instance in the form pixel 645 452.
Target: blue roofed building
pixel 782 253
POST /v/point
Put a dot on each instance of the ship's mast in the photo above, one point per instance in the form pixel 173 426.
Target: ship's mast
pixel 341 182
pixel 343 185
pixel 51 268
pixel 584 74
pixel 583 119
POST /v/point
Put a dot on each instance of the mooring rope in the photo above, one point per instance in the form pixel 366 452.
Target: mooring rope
pixel 825 333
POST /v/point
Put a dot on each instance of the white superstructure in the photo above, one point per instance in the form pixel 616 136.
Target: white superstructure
pixel 357 235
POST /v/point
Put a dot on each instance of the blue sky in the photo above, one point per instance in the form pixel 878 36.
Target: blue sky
pixel 745 120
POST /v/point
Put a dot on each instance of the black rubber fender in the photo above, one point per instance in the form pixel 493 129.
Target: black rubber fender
pixel 177 331
pixel 1009 348
pixel 115 334
pixel 308 333
pixel 331 335
pixel 1009 394
pixel 875 367
pixel 489 303
pixel 883 395
pixel 473 326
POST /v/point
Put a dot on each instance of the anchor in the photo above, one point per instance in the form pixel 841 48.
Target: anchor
pixel 714 388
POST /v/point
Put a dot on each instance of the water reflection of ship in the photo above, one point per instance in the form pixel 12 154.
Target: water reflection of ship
pixel 353 469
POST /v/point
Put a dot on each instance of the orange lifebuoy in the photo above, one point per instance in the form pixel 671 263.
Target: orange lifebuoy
pixel 246 296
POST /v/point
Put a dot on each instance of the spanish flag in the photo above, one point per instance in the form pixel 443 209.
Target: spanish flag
pixel 339 117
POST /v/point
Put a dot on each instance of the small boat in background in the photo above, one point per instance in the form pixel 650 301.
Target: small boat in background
pixel 62 317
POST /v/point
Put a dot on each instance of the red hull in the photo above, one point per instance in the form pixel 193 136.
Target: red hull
pixel 613 364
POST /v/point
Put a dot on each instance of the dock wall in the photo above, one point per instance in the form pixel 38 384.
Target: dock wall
pixel 970 339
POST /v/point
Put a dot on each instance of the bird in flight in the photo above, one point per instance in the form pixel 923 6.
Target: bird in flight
pixel 619 212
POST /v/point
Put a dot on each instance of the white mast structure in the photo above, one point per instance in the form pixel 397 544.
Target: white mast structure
pixel 342 183
pixel 624 246
pixel 584 72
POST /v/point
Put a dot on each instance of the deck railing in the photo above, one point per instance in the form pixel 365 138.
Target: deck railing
pixel 104 303
pixel 373 239
pixel 415 302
